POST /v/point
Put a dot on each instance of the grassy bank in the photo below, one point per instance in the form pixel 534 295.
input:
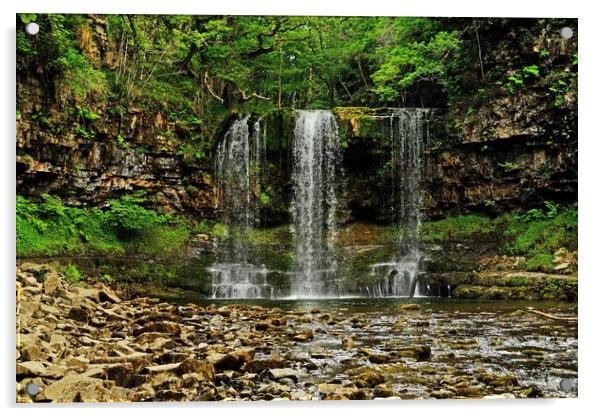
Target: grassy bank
pixel 125 226
pixel 537 234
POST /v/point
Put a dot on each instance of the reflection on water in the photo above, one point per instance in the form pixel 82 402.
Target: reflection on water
pixel 468 340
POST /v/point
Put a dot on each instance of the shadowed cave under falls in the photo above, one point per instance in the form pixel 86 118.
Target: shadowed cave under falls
pixel 317 179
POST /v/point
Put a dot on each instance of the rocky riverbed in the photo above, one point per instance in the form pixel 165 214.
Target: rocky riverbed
pixel 86 343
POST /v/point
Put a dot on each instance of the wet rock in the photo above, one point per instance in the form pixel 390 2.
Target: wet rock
pixel 278 321
pixel 332 391
pixel 169 396
pixel 442 394
pixel 280 373
pixel 33 353
pixel 57 371
pixel 202 369
pixel 119 373
pixel 531 392
pixel 78 314
pixel 30 368
pixel 409 307
pixel 419 352
pixel 384 392
pixel 335 396
pixel 304 336
pixel 107 295
pixel 52 283
pixel 163 368
pixel 262 326
pixel 274 389
pixel 494 380
pixel 368 378
pixel 399 324
pixel 159 327
pixel 172 357
pixel 84 293
pixel 377 357
pixel 258 366
pixel 533 352
pixel 77 388
pixel 469 391
pixel 347 343
pixel 223 362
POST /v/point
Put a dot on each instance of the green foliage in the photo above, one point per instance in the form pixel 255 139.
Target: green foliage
pixel 80 76
pixel 456 228
pixel 86 114
pixel 220 230
pixel 509 166
pixel 72 274
pixel 541 262
pixel 536 234
pixel 27 17
pixel 542 232
pixel 107 278
pixel 122 142
pixel 409 62
pixel 51 228
pixel 519 78
pixel 191 152
pixel 128 215
pixel 264 199
pixel 84 133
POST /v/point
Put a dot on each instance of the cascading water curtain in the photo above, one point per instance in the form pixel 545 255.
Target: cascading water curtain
pixel 316 161
pixel 409 137
pixel 239 163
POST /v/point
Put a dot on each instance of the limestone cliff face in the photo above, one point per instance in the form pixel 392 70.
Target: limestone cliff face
pixel 491 153
pixel 91 171
pixel 501 175
pixel 492 175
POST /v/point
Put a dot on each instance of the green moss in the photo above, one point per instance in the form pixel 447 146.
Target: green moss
pixel 536 234
pixel 541 262
pixel 50 228
pixel 456 228
pixel 72 274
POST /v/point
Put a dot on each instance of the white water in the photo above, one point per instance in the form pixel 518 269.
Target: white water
pixel 409 135
pixel 239 161
pixel 316 172
pixel 316 162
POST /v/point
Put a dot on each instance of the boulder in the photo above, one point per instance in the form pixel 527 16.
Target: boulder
pixel 409 307
pixel 160 327
pixel 419 352
pixel 378 358
pixel 169 396
pixel 280 373
pixel 258 366
pixel 32 353
pixel 368 378
pixel 304 336
pixel 107 295
pixel 83 293
pixel 158 369
pixel 334 391
pixel 78 314
pixel 78 388
pixel 30 368
pixel 52 283
pixel 202 369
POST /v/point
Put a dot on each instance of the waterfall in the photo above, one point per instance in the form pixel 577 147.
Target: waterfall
pixel 408 134
pixel 316 160
pixel 238 167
